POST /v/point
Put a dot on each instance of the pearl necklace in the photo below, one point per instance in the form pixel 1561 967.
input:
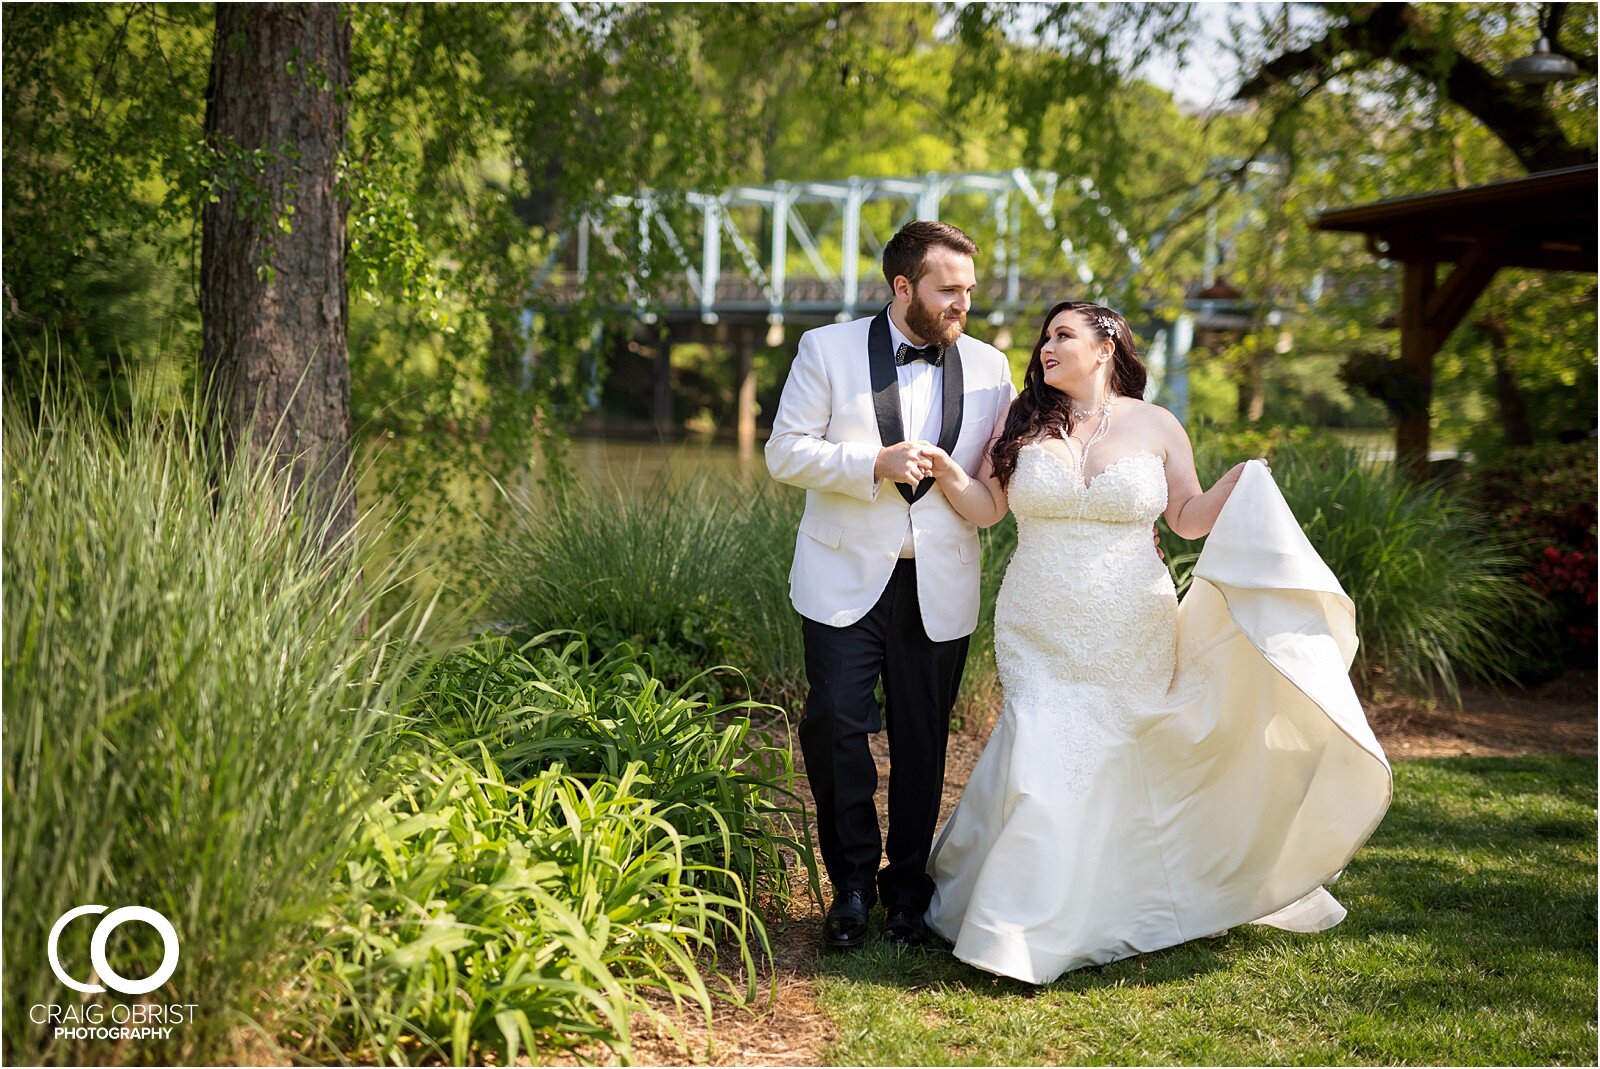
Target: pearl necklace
pixel 1104 412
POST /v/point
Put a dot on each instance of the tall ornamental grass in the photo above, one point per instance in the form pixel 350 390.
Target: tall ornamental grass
pixel 1437 595
pixel 193 693
pixel 695 573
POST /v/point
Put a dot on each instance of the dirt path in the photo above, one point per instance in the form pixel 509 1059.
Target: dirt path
pixel 789 1029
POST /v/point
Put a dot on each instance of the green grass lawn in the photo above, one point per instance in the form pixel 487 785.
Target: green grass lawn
pixel 1470 940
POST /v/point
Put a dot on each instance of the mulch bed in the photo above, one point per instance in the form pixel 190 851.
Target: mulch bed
pixel 1558 717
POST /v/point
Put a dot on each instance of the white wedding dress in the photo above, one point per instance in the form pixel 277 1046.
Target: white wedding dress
pixel 1160 771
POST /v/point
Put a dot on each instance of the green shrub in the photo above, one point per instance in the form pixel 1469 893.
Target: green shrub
pixel 1542 503
pixel 480 917
pixel 554 702
pixel 193 693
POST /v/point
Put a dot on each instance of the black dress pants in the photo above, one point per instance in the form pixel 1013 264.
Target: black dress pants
pixel 920 680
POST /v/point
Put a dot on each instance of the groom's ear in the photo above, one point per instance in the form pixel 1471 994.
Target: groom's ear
pixel 903 288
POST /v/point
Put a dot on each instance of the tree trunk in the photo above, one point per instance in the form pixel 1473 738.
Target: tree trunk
pixel 1263 337
pixel 1253 381
pixel 1507 394
pixel 272 279
pixel 1414 428
pixel 745 389
pixel 661 355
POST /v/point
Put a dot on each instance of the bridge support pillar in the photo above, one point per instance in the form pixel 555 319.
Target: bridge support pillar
pixel 744 344
pixel 661 346
pixel 1175 390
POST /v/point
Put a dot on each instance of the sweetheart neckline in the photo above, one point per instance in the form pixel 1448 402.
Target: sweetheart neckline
pixel 1096 478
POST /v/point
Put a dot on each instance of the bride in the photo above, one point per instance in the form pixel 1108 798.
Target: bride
pixel 1159 772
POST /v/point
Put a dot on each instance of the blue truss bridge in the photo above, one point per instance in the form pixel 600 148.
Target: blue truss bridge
pixel 742 266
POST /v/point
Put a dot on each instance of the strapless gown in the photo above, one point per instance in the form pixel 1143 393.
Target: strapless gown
pixel 1159 771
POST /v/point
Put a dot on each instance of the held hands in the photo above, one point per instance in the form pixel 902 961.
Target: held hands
pixel 911 462
pixel 904 462
pixel 939 462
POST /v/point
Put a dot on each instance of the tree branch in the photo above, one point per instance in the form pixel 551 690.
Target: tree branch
pixel 1584 60
pixel 1318 56
pixel 1515 114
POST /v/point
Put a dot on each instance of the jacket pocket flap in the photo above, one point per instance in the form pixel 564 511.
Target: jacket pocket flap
pixel 827 533
pixel 968 549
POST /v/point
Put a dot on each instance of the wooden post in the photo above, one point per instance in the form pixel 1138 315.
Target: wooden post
pixel 744 351
pixel 1417 346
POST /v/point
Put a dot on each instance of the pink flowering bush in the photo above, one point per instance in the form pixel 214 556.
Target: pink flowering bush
pixel 1543 501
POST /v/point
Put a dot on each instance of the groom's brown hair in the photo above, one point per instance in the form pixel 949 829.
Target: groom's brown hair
pixel 905 252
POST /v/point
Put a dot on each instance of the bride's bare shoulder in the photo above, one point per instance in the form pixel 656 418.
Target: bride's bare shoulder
pixel 1156 425
pixel 1145 412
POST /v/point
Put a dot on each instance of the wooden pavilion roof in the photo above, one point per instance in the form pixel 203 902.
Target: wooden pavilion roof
pixel 1545 220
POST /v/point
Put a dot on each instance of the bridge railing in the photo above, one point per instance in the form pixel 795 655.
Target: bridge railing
pixel 787 247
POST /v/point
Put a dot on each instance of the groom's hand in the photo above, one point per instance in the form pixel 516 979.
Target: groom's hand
pixel 903 462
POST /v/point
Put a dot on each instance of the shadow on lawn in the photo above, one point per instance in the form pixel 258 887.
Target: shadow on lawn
pixel 935 966
pixel 1480 861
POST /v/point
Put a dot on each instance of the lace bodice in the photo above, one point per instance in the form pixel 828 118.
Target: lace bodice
pixel 1085 622
pixel 1046 486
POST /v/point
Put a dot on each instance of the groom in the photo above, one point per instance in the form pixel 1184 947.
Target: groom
pixel 886 573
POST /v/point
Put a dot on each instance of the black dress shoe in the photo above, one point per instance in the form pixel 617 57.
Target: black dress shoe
pixel 904 926
pixel 846 922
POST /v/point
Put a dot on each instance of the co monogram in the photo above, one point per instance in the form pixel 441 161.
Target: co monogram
pixel 97 949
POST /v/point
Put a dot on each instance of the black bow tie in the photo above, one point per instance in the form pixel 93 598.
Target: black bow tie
pixel 908 352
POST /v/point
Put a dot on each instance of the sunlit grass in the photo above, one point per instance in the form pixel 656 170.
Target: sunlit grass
pixel 1470 941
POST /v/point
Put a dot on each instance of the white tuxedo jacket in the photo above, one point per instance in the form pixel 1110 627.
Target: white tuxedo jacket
pixel 840 406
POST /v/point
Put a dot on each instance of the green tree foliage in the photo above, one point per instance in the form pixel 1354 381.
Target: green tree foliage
pixel 103 181
pixel 473 129
pixel 476 131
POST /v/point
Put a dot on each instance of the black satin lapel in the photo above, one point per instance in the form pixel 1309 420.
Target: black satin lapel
pixel 954 400
pixel 885 386
pixel 954 408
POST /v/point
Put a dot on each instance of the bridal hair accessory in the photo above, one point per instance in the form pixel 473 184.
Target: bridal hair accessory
pixel 1107 325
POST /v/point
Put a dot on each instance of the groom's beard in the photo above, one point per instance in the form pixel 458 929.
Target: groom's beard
pixel 931 327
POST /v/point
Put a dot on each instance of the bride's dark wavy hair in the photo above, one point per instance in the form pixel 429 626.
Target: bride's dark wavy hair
pixel 1041 409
